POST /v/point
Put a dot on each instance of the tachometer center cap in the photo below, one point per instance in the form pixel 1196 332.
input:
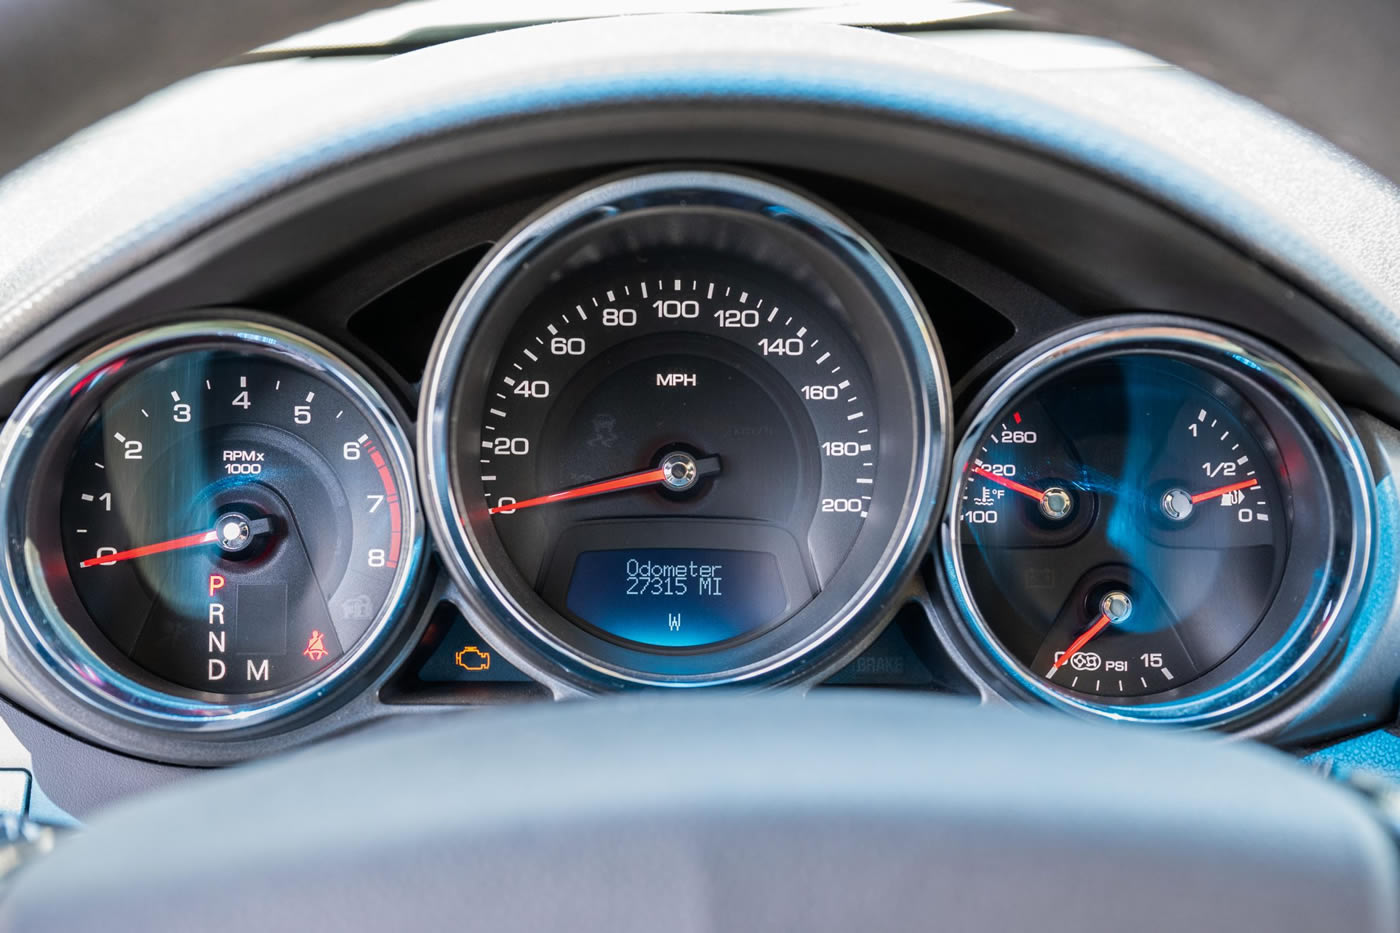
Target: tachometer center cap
pixel 235 531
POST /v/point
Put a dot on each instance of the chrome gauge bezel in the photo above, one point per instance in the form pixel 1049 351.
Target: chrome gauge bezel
pixel 518 622
pixel 33 621
pixel 1319 625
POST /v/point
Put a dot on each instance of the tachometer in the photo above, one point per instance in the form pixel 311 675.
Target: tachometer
pixel 1151 527
pixel 690 435
pixel 225 520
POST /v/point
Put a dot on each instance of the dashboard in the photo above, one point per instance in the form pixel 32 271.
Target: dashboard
pixel 681 415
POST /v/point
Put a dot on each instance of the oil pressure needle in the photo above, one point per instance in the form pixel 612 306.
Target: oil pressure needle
pixel 1116 606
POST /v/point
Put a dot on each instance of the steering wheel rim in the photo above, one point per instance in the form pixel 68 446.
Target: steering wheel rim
pixel 847 810
pixel 1326 66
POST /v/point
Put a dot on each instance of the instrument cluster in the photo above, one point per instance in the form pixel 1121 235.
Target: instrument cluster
pixel 679 429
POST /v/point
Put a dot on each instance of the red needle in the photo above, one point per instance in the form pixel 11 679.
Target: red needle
pixel 630 481
pixel 1080 642
pixel 1011 484
pixel 1216 493
pixel 204 537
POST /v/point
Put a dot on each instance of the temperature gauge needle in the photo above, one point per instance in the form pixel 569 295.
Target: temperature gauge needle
pixel 1223 490
pixel 677 471
pixel 1011 484
pixel 1056 502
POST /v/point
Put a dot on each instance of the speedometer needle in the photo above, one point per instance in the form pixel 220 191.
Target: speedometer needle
pixel 680 471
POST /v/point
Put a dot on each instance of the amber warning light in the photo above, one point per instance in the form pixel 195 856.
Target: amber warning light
pixel 472 658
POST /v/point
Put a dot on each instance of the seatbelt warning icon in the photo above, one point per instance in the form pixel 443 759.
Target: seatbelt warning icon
pixel 316 646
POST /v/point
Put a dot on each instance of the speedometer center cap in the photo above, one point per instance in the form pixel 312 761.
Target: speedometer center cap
pixel 681 471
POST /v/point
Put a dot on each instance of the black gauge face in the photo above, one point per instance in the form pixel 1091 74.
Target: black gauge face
pixel 1124 527
pixel 686 429
pixel 231 523
pixel 677 453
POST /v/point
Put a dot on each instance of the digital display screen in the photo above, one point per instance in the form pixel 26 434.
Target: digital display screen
pixel 677 597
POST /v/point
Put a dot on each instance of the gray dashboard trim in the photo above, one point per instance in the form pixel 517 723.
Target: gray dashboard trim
pixel 131 188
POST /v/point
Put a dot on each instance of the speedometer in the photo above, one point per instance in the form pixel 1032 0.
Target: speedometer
pixel 691 435
pixel 689 399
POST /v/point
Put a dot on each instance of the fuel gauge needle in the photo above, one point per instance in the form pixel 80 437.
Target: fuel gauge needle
pixel 1219 491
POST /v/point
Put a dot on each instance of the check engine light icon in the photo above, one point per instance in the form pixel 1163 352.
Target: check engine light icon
pixel 472 658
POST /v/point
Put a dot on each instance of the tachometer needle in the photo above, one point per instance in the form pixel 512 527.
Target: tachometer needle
pixel 230 534
pixel 1011 484
pixel 1079 643
pixel 1223 490
pixel 205 537
pixel 691 471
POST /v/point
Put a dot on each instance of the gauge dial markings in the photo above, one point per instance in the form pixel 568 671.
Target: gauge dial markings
pixel 244 455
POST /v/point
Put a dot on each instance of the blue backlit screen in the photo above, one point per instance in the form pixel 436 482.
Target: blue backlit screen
pixel 677 597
